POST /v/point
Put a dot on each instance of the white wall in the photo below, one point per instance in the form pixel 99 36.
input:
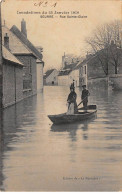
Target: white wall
pixel 75 75
pixel 68 79
pixel 39 77
pixel 63 80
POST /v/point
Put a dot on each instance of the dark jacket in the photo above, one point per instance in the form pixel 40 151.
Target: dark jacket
pixel 72 97
pixel 85 93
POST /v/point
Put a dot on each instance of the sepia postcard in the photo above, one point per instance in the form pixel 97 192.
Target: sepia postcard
pixel 60 95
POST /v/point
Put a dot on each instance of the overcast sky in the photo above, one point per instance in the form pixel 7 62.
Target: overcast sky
pixel 59 35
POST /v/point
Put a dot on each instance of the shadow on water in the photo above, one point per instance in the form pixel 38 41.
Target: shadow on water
pixel 14 121
pixel 1 149
pixel 74 127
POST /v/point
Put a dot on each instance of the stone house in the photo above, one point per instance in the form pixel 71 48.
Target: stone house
pixel 19 62
pixel 36 51
pixel 26 57
pixel 68 74
pixel 11 75
pixel 12 78
pixel 51 77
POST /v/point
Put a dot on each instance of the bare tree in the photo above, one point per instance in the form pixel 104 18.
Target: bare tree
pixel 104 44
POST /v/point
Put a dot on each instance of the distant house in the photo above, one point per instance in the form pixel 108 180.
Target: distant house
pixel 68 74
pixel 79 71
pixel 37 52
pixel 12 78
pixel 51 77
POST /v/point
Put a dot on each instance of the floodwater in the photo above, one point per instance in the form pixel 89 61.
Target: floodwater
pixel 38 156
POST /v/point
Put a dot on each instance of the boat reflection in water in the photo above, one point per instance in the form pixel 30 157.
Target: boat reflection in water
pixel 73 127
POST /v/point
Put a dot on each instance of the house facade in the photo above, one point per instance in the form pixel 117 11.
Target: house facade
pixel 68 74
pixel 36 51
pixel 12 79
pixel 51 77
pixel 26 57
pixel 98 70
pixel 64 78
pixel 19 61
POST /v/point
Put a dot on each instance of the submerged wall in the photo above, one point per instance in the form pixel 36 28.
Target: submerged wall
pixel 116 81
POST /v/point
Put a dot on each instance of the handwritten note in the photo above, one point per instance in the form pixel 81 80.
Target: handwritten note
pixel 45 4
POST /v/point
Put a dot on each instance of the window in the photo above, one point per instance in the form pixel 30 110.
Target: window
pixel 27 76
pixel 85 69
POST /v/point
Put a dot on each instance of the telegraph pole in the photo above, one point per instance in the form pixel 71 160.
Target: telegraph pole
pixel 1 62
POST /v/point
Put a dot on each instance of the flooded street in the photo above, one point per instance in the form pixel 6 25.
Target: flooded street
pixel 38 156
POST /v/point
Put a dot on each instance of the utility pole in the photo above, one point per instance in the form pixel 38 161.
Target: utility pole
pixel 1 62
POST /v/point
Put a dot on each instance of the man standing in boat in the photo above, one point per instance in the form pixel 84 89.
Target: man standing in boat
pixel 72 105
pixel 84 96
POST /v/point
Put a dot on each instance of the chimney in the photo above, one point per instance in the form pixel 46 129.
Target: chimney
pixel 23 27
pixel 88 55
pixel 63 61
pixel 6 41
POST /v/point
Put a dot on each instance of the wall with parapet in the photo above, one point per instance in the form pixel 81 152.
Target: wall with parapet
pixel 116 81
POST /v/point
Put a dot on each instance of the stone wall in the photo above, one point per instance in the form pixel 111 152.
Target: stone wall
pixel 29 69
pixel 116 81
pixel 19 83
pixel 12 84
pixel 98 83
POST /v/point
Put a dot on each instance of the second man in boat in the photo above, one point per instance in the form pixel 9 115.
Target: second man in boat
pixel 84 96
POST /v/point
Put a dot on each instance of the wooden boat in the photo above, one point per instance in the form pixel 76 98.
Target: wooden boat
pixel 81 115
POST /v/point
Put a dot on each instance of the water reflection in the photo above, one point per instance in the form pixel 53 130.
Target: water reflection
pixel 73 128
pixel 12 121
pixel 35 155
pixel 1 149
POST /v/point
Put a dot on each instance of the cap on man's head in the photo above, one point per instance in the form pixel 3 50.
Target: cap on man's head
pixel 83 85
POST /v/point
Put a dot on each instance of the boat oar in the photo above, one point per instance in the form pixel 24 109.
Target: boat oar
pixel 82 101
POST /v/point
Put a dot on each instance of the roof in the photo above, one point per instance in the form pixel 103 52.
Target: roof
pixel 70 66
pixel 7 55
pixel 78 65
pixel 64 72
pixel 67 69
pixel 16 46
pixel 48 73
pixel 86 60
pixel 26 42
